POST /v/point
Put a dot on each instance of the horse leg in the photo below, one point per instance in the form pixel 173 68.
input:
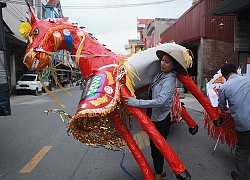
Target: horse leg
pixel 135 150
pixel 193 89
pixel 193 127
pixel 176 107
pixel 168 153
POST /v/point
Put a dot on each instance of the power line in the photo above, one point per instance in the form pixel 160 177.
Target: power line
pixel 77 6
pixel 17 10
pixel 37 4
pixel 23 2
pixel 12 9
pixel 80 6
pixel 11 12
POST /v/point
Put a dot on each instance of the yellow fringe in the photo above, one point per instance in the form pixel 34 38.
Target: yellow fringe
pixel 188 59
pixel 129 74
pixel 55 78
pixel 130 79
pixel 48 91
pixel 122 62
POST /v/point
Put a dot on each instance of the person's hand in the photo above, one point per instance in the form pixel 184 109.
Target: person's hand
pixel 219 110
pixel 125 100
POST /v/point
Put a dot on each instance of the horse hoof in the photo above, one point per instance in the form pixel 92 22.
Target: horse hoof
pixel 184 176
pixel 193 130
pixel 218 122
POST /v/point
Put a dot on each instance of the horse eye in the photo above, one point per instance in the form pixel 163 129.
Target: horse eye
pixel 36 32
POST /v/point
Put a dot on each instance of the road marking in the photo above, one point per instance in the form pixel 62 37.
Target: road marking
pixel 35 160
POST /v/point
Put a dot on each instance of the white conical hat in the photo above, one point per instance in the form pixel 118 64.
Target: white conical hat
pixel 178 55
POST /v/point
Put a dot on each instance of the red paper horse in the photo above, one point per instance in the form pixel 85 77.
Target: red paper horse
pixel 100 117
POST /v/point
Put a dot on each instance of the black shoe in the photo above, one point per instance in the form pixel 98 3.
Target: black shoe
pixel 233 174
pixel 184 176
pixel 218 122
pixel 193 130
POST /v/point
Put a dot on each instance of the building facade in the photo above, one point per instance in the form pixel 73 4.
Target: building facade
pixel 155 28
pixel 216 31
pixel 149 33
pixel 210 38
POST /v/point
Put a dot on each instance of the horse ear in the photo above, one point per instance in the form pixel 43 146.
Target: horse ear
pixel 32 15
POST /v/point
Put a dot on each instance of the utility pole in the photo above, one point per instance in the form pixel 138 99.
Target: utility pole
pixel 4 86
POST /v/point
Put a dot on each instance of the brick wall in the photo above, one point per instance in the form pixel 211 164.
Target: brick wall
pixel 215 54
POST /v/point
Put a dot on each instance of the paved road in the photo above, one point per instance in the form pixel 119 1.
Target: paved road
pixel 30 131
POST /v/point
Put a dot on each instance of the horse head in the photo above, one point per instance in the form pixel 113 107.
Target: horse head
pixel 40 35
pixel 48 36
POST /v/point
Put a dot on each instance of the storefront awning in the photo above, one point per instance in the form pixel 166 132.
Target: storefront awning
pixel 229 6
pixel 10 38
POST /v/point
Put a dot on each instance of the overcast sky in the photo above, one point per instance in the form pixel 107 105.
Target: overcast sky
pixel 114 22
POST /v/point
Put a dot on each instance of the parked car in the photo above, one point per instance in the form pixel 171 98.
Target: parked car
pixel 29 83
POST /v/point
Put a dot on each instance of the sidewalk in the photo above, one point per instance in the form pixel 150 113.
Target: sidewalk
pixel 192 103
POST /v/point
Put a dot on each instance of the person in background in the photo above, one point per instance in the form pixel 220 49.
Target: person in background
pixel 161 92
pixel 236 93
